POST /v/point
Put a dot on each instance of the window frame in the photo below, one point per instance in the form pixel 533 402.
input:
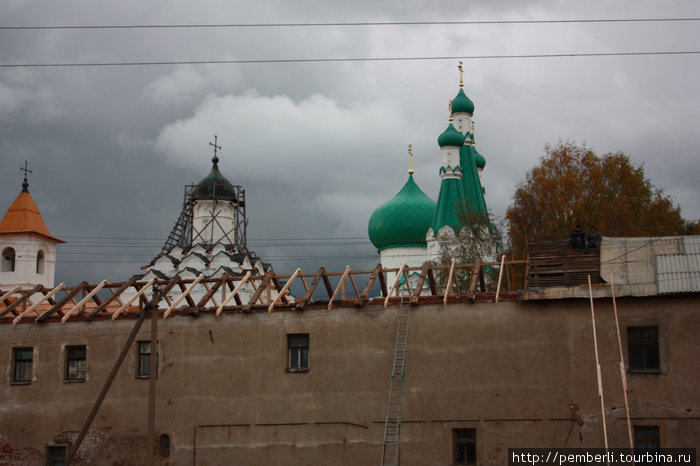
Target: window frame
pixel 55 452
pixel 8 259
pixel 466 443
pixel 143 359
pixel 76 359
pixel 298 352
pixel 40 262
pixel 16 361
pixel 655 438
pixel 164 445
pixel 640 346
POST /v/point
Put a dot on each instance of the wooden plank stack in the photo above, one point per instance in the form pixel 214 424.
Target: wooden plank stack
pixel 555 264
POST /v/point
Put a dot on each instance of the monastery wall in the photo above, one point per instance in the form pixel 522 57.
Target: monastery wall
pixel 225 395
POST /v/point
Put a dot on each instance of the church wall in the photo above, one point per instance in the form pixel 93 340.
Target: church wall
pixel 27 248
pixel 225 394
pixel 213 221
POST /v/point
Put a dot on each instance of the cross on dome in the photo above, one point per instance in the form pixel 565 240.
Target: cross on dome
pixel 461 73
pixel 216 147
pixel 25 183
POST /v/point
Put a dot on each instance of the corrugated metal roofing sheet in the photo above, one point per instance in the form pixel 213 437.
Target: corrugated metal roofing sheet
pixel 691 244
pixel 679 273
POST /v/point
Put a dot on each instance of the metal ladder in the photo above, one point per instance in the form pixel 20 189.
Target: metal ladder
pixel 392 425
pixel 179 235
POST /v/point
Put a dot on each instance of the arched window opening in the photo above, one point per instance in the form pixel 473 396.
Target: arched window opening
pixel 8 260
pixel 40 262
pixel 164 445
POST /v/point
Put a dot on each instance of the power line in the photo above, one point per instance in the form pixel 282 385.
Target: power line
pixel 354 24
pixel 346 60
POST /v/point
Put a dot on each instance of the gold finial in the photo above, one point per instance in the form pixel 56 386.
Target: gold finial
pixel 461 72
pixel 450 111
pixel 410 159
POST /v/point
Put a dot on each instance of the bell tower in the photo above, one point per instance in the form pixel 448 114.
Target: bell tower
pixel 27 249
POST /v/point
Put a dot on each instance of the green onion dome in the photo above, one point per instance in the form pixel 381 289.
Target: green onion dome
pixel 462 103
pixel 214 186
pixel 404 220
pixel 451 137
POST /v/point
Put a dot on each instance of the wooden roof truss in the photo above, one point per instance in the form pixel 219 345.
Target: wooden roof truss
pixel 270 292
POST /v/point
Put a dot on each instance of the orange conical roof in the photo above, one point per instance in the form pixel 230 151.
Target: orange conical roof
pixel 23 217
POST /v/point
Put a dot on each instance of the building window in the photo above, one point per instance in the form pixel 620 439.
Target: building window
pixel 464 441
pixel 143 366
pixel 40 262
pixel 643 349
pixel 298 348
pixel 75 363
pixel 22 365
pixel 164 445
pixel 646 439
pixel 56 455
pixel 8 260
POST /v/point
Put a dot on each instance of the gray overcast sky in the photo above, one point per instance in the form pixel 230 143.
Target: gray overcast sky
pixel 319 146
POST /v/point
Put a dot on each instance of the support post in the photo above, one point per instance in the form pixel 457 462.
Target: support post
pixel 153 374
pixel 623 374
pixel 598 371
pixel 81 435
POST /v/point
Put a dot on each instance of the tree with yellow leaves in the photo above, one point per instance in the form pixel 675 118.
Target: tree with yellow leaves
pixel 572 185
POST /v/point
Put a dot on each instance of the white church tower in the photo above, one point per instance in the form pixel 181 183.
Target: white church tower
pixel 27 249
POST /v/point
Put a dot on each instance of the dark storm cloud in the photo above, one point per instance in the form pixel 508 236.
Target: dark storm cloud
pixel 318 146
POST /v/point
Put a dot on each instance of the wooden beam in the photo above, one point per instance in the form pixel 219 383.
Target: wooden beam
pixel 476 273
pixel 46 297
pixel 284 290
pixel 184 295
pixel 25 296
pixel 177 279
pixel 212 291
pixel 395 284
pixel 57 307
pixel 340 284
pixel 138 294
pixel 500 276
pixel 10 293
pixel 310 290
pixel 382 283
pixel 365 293
pixel 327 284
pixel 431 281
pixel 115 295
pixel 82 302
pixel 72 449
pixel 234 292
pixel 354 286
pixel 448 288
pixel 275 281
pixel 259 291
pixel 421 282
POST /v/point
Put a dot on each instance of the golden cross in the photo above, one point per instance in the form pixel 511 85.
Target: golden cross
pixel 410 159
